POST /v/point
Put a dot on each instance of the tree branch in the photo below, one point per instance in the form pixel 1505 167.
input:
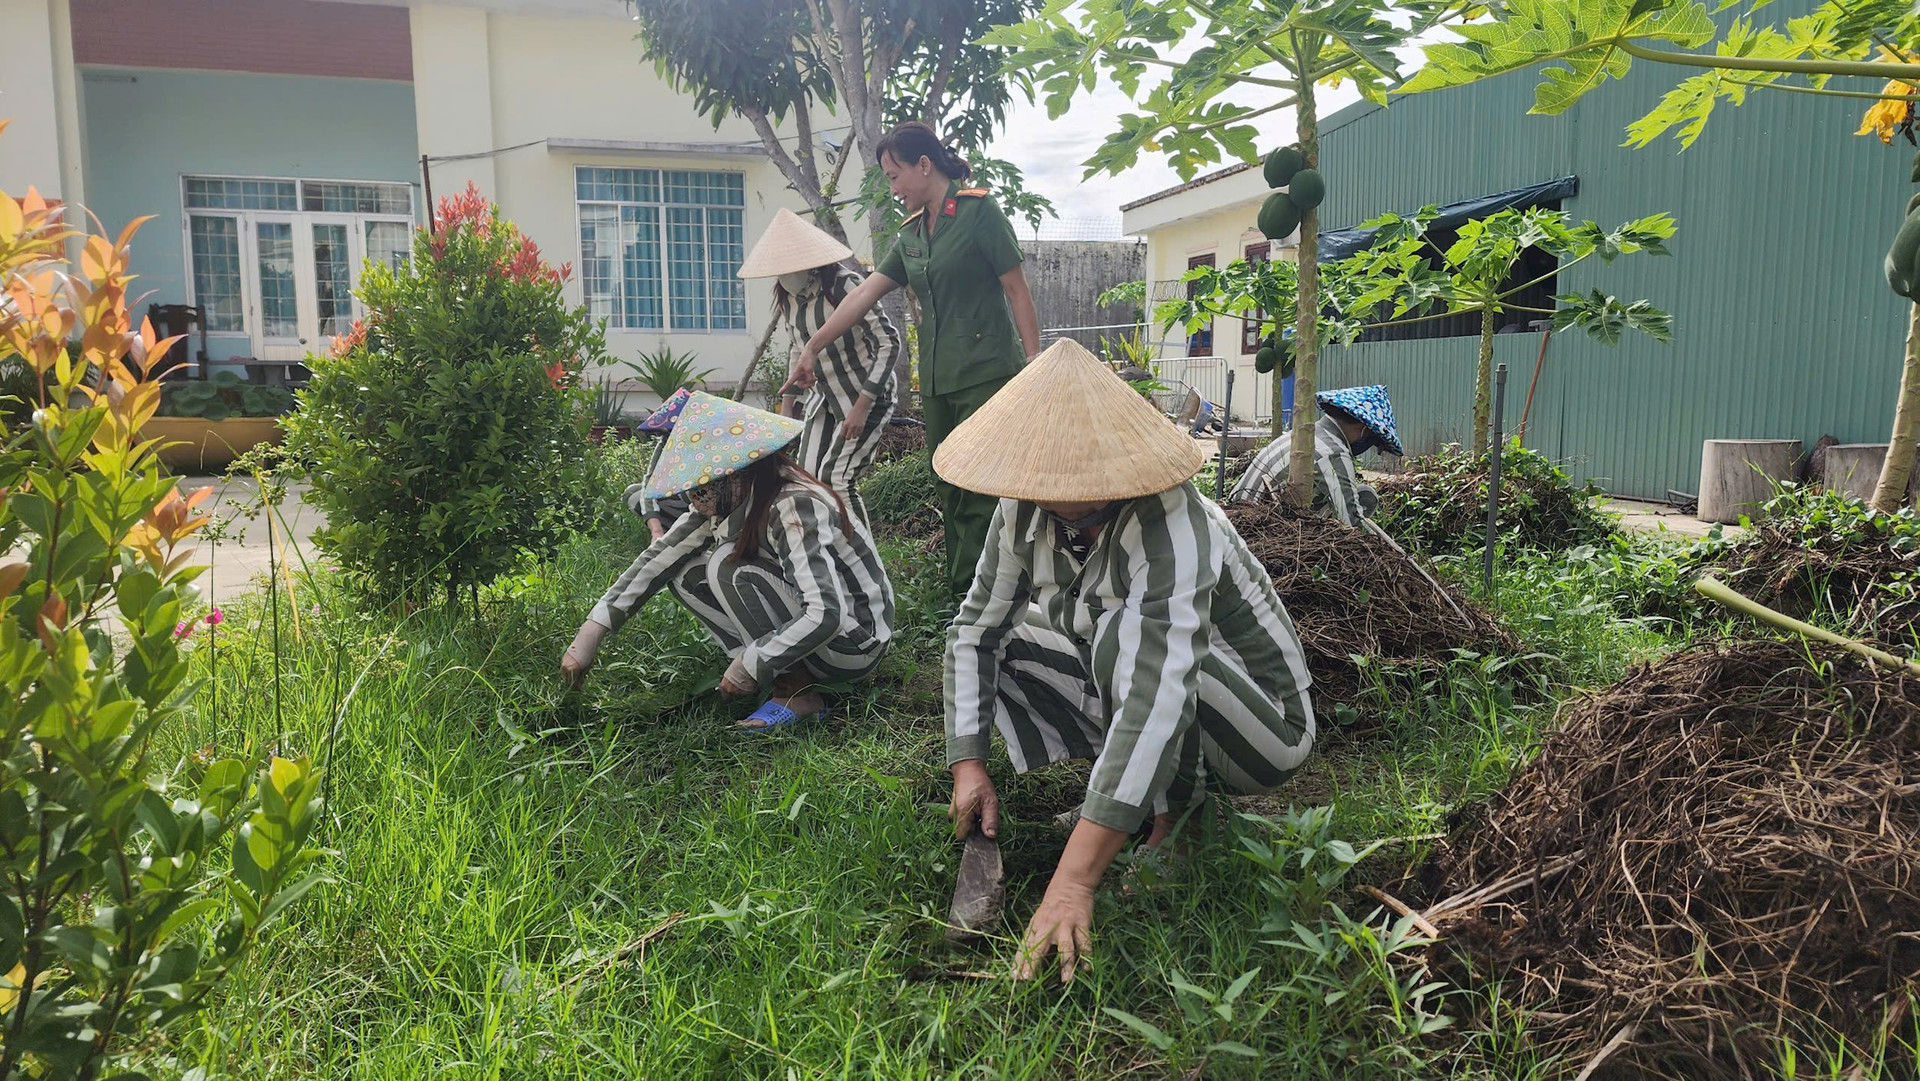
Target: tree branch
pixel 936 105
pixel 807 186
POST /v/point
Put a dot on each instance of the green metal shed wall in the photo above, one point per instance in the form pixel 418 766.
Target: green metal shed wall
pixel 1784 327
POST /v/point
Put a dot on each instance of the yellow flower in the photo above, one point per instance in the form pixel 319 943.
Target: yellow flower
pixel 1886 117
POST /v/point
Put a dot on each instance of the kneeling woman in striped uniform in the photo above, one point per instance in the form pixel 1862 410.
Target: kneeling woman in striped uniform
pixel 782 574
pixel 852 382
pixel 1352 422
pixel 1115 615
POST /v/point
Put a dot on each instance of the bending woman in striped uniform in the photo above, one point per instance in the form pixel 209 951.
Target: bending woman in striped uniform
pixel 783 575
pixel 852 395
pixel 1115 615
pixel 1352 421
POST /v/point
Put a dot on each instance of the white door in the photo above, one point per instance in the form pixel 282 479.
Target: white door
pixel 274 269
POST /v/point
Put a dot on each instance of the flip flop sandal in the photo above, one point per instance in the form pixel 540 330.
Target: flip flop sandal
pixel 772 715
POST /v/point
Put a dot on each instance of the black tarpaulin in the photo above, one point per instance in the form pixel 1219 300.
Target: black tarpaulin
pixel 1339 243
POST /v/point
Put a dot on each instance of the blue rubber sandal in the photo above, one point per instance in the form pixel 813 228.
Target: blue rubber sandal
pixel 772 715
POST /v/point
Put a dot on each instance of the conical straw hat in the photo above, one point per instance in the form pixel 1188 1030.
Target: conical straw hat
pixel 789 246
pixel 713 438
pixel 1067 430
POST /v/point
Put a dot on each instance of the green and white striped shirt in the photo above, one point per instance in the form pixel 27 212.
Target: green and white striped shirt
pixel 1337 491
pixel 836 572
pixel 859 361
pixel 1166 587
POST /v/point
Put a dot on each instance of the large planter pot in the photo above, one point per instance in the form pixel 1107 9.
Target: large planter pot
pixel 206 446
pixel 1737 476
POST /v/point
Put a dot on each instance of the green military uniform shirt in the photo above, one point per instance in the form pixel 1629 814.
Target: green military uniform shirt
pixel 967 336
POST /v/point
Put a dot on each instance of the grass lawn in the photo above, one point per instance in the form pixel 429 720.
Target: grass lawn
pixel 616 884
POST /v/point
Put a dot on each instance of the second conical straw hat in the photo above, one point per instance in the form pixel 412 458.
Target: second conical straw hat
pixel 1067 430
pixel 789 246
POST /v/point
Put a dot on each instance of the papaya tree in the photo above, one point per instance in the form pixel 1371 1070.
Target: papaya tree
pixel 1257 60
pixel 1404 277
pixel 1578 47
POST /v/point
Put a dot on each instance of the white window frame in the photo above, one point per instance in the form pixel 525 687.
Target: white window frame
pixel 307 337
pixel 660 206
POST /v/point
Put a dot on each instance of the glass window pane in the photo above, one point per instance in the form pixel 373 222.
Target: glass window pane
pixel 216 272
pixel 332 279
pixel 279 310
pixel 687 268
pixel 640 266
pixel 617 185
pixel 726 247
pixel 331 197
pixel 599 247
pixel 240 193
pixel 389 243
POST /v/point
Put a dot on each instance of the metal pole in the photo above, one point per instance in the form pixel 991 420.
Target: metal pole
pixel 426 188
pixel 1226 430
pixel 1493 479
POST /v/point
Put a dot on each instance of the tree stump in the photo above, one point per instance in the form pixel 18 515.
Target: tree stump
pixel 1738 475
pixel 1854 468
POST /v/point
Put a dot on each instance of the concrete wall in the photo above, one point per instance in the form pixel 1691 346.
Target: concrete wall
pixel 43 146
pixel 146 129
pixel 486 80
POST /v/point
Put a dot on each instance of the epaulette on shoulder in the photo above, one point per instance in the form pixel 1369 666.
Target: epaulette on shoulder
pixel 972 191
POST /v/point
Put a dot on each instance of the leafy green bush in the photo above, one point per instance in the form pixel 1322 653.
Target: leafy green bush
pixel 1439 503
pixel 445 436
pixel 223 395
pixel 129 885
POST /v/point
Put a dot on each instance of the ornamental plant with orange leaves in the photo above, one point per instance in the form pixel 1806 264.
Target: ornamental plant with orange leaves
pixel 129 886
pixel 446 436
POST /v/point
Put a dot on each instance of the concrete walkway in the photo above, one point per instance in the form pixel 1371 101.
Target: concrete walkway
pixel 236 545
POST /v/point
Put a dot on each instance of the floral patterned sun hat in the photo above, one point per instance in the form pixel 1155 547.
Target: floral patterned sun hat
pixel 713 438
pixel 660 421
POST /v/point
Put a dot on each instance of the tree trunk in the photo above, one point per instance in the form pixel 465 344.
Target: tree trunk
pixel 1897 472
pixel 1483 388
pixel 1306 333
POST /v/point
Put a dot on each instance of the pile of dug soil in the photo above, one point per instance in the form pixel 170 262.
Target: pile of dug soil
pixel 1438 503
pixel 1721 849
pixel 1351 594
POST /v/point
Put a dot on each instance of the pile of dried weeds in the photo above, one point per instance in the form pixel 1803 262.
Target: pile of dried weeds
pixel 1352 594
pixel 1720 850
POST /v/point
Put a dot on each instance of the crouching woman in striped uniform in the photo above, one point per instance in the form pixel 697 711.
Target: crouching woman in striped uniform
pixel 852 379
pixel 1114 615
pixel 768 558
pixel 1352 421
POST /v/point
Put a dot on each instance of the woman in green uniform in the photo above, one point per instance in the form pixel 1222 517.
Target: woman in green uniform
pixel 977 323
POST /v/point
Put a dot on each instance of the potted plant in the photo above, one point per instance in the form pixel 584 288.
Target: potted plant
pixel 666 371
pixel 211 422
pixel 609 422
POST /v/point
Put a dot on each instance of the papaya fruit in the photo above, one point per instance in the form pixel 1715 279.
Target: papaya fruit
pixel 1285 371
pixel 1913 204
pixel 1279 217
pixel 1307 189
pixel 1265 360
pixel 1282 164
pixel 1899 264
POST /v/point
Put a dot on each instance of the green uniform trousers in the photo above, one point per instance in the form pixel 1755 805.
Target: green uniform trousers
pixel 965 515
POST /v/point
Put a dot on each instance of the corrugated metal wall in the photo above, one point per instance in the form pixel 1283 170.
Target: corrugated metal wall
pixel 1784 327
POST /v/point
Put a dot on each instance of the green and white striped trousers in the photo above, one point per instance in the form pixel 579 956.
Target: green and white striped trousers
pixel 743 602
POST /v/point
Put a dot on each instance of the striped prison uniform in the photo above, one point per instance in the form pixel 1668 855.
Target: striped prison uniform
pixel 1165 657
pixel 1337 491
pixel 813 595
pixel 858 362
